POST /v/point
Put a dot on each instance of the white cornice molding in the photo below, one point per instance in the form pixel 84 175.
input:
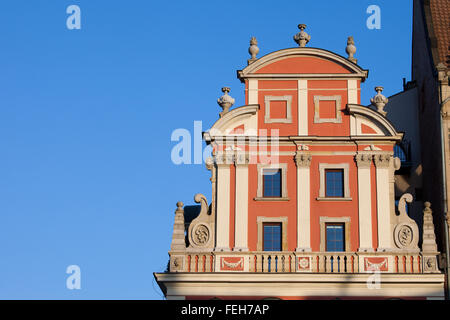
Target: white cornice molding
pixel 409 278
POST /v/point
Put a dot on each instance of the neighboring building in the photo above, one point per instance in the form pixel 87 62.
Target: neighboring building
pixel 422 112
pixel 304 202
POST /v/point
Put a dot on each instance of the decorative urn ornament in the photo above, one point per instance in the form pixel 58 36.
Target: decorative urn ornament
pixel 351 50
pixel 379 101
pixel 225 101
pixel 253 50
pixel 302 38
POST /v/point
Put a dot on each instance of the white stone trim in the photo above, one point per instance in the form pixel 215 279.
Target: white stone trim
pixel 352 91
pixel 268 99
pixel 318 119
pixel 284 190
pixel 365 206
pixel 241 208
pixel 385 234
pixel 300 284
pixel 252 91
pixel 303 209
pixel 223 208
pixel 302 107
pixel 322 168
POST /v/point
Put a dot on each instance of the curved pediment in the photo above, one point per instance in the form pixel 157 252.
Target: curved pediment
pixel 241 120
pixel 302 62
pixel 368 122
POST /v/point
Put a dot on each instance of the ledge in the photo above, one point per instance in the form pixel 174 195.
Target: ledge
pixel 333 199
pixel 271 199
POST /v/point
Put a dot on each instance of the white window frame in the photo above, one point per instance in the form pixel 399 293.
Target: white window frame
pixel 284 190
pixel 322 182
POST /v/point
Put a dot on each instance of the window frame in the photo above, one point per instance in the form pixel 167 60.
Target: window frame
pixel 264 182
pixel 328 224
pixel 322 181
pixel 260 221
pixel 341 170
pixel 260 192
pixel 346 221
pixel 278 224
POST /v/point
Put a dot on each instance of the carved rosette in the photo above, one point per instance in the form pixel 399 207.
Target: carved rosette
pixel 382 160
pixel 200 234
pixel 303 159
pixel 403 235
pixel 363 160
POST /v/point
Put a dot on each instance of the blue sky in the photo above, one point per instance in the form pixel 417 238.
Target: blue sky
pixel 86 118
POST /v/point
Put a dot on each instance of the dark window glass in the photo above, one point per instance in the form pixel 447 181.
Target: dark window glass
pixel 272 237
pixel 334 183
pixel 400 153
pixel 335 237
pixel 272 182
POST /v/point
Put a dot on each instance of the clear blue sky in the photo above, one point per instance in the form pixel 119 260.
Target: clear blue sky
pixel 86 118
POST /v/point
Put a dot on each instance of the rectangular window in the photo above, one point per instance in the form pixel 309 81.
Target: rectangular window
pixel 272 236
pixel 272 183
pixel 334 183
pixel 335 237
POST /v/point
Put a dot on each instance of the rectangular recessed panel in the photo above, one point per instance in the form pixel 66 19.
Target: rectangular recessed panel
pixel 327 109
pixel 278 109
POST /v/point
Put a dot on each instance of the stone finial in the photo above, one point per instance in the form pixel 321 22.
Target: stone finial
pixel 379 101
pixel 178 241
pixel 429 246
pixel 351 50
pixel 302 38
pixel 225 101
pixel 253 50
pixel 429 238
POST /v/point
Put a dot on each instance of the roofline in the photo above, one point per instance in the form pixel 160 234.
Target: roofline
pixel 247 72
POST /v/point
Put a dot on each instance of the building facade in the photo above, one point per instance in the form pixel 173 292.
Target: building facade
pixel 304 200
